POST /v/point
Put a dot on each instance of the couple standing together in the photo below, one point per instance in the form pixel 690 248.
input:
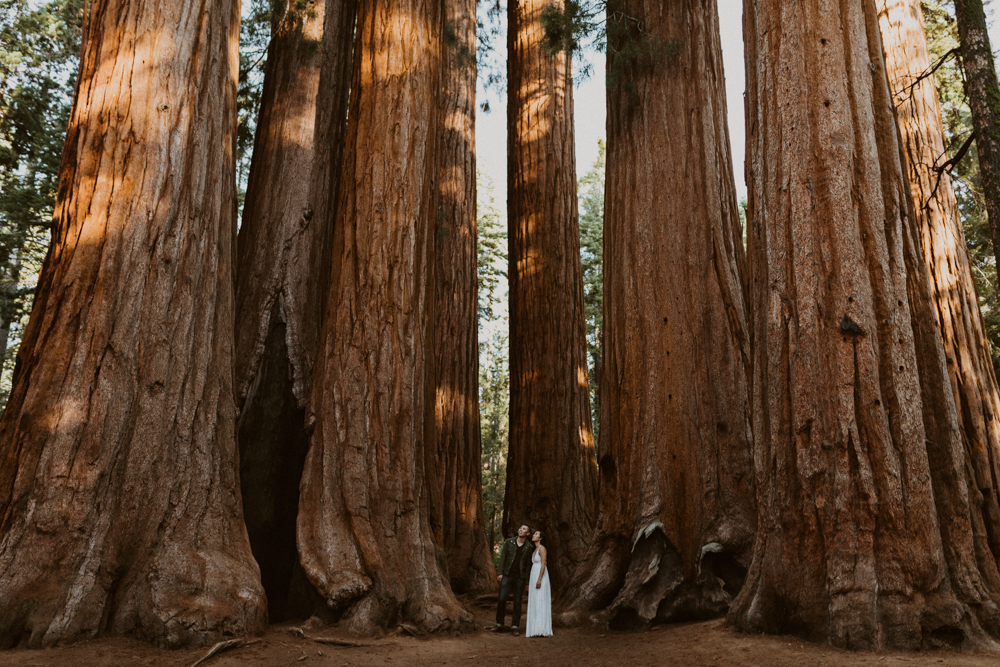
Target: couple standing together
pixel 517 556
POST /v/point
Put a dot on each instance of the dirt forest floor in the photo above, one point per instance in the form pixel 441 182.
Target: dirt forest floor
pixel 707 644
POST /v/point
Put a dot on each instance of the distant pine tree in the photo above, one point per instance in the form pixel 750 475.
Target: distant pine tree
pixel 38 63
pixel 591 197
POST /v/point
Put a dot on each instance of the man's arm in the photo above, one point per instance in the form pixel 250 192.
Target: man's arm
pixel 504 553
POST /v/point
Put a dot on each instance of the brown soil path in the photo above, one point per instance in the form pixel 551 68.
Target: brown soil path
pixel 707 644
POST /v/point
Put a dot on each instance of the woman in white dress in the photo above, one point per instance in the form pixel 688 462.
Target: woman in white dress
pixel 539 622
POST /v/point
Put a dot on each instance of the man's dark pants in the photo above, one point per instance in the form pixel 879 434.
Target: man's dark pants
pixel 510 585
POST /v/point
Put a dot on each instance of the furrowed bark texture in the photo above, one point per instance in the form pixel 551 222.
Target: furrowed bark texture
pixel 283 274
pixel 454 463
pixel 119 495
pixel 675 528
pixel 864 538
pixel 983 91
pixel 364 537
pixel 942 244
pixel 551 467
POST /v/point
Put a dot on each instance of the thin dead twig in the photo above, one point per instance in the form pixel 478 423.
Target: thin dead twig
pixel 908 91
pixel 950 164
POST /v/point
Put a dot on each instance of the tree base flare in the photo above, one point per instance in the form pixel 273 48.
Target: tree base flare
pixel 864 621
pixel 183 598
pixel 374 615
pixel 655 588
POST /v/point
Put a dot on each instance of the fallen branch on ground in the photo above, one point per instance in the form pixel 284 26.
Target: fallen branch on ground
pixel 412 630
pixel 330 641
pixel 224 646
pixel 333 641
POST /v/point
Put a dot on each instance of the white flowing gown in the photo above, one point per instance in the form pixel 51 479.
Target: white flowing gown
pixel 539 623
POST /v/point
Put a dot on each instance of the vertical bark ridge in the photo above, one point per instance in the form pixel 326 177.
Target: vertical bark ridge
pixel 676 515
pixel 363 531
pixel 119 495
pixel 283 273
pixel 864 529
pixel 454 464
pixel 551 468
pixel 942 244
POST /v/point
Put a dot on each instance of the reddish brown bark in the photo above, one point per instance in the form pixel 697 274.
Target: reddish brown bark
pixel 551 468
pixel 364 537
pixel 119 495
pixel 454 463
pixel 676 515
pixel 283 274
pixel 864 538
pixel 942 244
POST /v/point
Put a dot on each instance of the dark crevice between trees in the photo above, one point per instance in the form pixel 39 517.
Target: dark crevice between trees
pixel 273 444
pixel 609 471
pixel 727 568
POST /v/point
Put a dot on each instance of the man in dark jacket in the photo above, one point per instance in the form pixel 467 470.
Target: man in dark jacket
pixel 515 565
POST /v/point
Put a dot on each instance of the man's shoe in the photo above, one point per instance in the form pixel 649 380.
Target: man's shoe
pixel 497 628
pixel 513 630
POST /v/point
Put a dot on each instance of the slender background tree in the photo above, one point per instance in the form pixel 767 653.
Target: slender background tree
pixel 494 371
pixel 591 199
pixel 983 92
pixel 962 162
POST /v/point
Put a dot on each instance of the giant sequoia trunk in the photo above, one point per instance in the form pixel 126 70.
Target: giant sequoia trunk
pixel 119 495
pixel 551 468
pixel 942 244
pixel 864 537
pixel 364 537
pixel 454 465
pixel 283 273
pixel 676 515
pixel 983 91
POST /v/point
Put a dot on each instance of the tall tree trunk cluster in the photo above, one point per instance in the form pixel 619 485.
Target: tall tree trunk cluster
pixel 207 431
pixel 868 531
pixel 284 254
pixel 160 340
pixel 364 532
